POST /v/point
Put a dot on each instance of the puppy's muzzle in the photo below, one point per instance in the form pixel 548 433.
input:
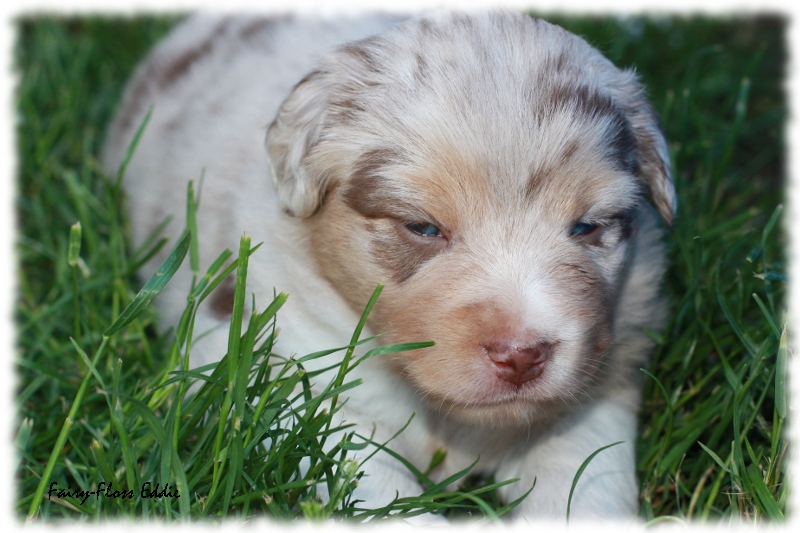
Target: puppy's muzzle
pixel 518 363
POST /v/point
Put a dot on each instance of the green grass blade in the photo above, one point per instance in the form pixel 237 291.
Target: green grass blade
pixel 770 225
pixel 780 374
pixel 210 273
pixel 102 463
pixel 763 494
pixel 132 148
pixel 222 276
pixel 665 443
pixel 184 505
pixel 323 353
pixel 118 420
pixel 354 339
pixel 234 473
pixel 506 508
pixel 580 472
pixel 731 320
pixel 714 456
pixel 88 363
pixel 62 438
pixel 238 309
pixel 73 259
pixel 767 315
pixel 191 226
pixel 451 479
pixel 22 440
pixel 393 348
pixel 151 245
pixel 153 286
pixel 151 421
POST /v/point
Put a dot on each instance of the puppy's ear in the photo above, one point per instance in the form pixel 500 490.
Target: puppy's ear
pixel 293 133
pixel 654 157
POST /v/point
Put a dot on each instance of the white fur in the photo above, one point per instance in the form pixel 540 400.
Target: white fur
pixel 212 120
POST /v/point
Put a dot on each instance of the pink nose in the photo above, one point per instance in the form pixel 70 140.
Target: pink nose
pixel 518 364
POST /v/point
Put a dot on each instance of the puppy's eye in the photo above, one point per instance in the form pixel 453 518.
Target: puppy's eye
pixel 583 228
pixel 424 229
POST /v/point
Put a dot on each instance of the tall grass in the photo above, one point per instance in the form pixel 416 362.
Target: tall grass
pixel 99 400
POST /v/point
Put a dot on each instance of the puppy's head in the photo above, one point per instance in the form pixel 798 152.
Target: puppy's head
pixel 493 172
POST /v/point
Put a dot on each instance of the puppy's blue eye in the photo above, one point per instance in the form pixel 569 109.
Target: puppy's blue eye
pixel 583 228
pixel 425 230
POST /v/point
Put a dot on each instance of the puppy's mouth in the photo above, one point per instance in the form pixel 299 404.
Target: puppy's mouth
pixel 505 384
pixel 504 405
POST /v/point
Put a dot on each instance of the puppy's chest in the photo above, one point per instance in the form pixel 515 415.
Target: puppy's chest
pixel 450 448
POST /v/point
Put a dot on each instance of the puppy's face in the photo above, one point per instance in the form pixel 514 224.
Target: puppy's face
pixel 490 172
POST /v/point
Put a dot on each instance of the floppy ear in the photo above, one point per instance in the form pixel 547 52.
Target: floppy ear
pixel 654 162
pixel 654 156
pixel 293 133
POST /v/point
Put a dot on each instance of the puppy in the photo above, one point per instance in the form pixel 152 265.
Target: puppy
pixel 506 182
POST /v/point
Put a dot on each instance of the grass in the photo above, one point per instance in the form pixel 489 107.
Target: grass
pixel 100 401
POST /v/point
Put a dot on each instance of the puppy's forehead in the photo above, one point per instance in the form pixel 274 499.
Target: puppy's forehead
pixel 458 62
pixel 506 103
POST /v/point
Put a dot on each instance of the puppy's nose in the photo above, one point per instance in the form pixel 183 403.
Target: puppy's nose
pixel 518 364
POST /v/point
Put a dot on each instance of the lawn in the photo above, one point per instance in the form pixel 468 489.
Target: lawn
pixel 97 398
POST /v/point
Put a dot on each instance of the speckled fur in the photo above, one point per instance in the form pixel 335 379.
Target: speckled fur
pixel 504 132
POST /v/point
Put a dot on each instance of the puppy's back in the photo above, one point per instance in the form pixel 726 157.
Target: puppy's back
pixel 199 61
pixel 213 86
